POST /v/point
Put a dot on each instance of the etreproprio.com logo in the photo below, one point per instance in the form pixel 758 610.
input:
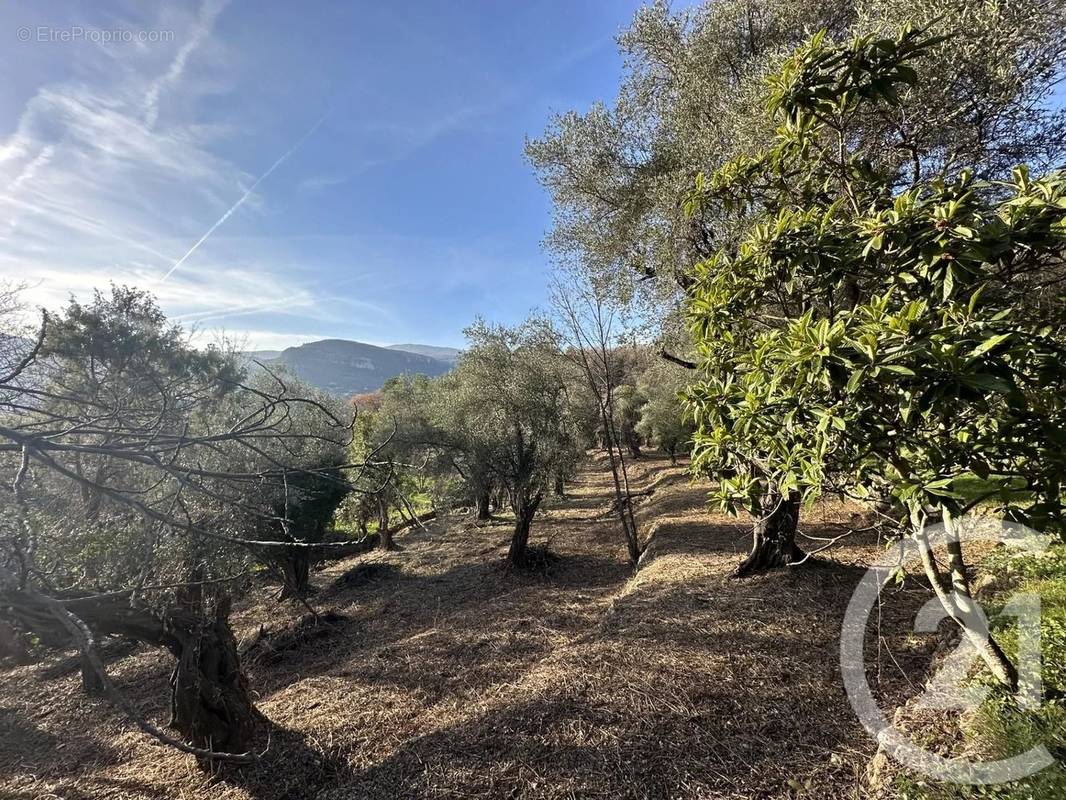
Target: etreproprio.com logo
pixel 948 687
pixel 76 33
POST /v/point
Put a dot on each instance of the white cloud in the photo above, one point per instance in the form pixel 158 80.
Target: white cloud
pixel 255 339
pixel 42 158
pixel 97 186
pixel 209 12
pixel 320 182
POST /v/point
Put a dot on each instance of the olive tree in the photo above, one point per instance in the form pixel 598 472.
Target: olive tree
pixel 300 506
pixel 689 100
pixel 663 417
pixel 141 473
pixel 394 432
pixel 506 404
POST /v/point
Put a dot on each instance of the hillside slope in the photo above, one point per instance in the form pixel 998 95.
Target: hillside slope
pixel 345 367
pixel 439 673
pixel 448 354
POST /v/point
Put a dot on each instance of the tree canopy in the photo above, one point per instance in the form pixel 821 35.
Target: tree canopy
pixel 908 363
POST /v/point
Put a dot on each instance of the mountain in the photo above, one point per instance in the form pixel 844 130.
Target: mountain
pixel 261 355
pixel 448 354
pixel 345 368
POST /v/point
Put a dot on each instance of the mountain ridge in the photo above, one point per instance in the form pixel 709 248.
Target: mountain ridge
pixel 449 354
pixel 347 367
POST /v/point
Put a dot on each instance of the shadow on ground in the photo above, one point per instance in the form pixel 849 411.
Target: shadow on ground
pixel 438 672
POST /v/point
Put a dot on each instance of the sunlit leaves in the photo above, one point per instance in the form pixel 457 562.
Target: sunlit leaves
pixel 904 363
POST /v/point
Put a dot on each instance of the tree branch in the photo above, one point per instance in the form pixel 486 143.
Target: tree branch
pixel 681 362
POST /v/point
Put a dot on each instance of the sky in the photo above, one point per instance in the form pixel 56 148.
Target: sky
pixel 283 172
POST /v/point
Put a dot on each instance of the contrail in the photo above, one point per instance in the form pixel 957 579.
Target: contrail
pixel 245 196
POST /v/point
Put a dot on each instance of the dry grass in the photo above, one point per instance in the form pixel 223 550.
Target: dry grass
pixel 442 674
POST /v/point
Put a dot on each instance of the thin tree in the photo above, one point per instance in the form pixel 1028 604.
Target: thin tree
pixel 586 322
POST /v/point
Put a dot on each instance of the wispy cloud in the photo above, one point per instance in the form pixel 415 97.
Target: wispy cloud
pixel 96 186
pixel 257 339
pixel 241 200
pixel 27 173
pixel 158 166
pixel 317 183
pixel 209 12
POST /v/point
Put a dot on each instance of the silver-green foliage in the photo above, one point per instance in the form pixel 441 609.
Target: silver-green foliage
pixel 690 100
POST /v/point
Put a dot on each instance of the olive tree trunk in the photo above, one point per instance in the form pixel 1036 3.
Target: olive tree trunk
pixel 10 646
pixel 484 503
pixel 210 703
pixel 385 535
pixel 211 707
pixel 525 507
pixel 632 442
pixel 295 565
pixel 774 535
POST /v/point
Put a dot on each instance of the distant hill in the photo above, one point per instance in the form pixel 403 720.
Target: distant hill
pixel 449 354
pixel 345 368
pixel 261 355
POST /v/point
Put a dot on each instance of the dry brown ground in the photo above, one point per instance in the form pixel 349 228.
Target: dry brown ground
pixel 445 675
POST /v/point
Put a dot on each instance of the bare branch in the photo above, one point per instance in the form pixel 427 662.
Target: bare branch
pixel 681 362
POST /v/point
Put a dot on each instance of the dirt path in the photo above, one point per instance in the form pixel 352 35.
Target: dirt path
pixel 442 674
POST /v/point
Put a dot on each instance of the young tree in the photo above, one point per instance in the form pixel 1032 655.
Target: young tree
pixel 663 417
pixel 913 362
pixel 588 339
pixel 396 436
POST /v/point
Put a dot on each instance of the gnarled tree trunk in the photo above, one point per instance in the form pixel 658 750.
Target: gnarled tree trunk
pixel 91 683
pixel 774 535
pixel 295 567
pixel 385 535
pixel 210 703
pixel 10 646
pixel 632 442
pixel 525 507
pixel 484 501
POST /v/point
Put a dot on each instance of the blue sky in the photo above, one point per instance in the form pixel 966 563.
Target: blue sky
pixel 357 168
